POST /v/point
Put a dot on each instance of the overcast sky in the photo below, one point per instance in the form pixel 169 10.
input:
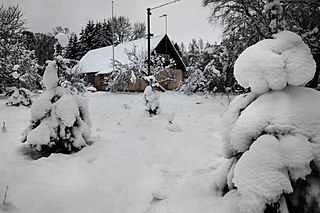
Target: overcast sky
pixel 186 19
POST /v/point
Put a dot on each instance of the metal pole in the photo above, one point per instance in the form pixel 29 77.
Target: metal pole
pixel 166 24
pixel 148 25
pixel 112 23
pixel 148 38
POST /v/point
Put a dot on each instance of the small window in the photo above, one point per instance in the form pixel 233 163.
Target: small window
pixel 165 56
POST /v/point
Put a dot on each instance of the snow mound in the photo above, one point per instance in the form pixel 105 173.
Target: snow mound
pixel 67 110
pixel 230 117
pixel 230 202
pixel 263 173
pixel 91 89
pixel 272 64
pixel 40 135
pixel 42 105
pixel 173 127
pixel 289 111
pixel 224 176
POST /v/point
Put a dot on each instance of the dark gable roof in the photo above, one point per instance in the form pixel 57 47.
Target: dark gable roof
pixel 165 46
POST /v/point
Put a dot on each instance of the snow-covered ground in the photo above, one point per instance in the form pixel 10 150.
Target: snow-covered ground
pixel 136 165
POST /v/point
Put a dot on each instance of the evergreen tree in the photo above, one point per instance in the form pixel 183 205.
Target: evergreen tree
pixel 99 34
pixel 138 31
pixel 86 38
pixel 60 120
pixel 14 51
pixel 43 46
pixel 72 50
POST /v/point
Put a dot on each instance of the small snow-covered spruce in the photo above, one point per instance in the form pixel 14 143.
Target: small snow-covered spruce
pixel 60 120
pixel 151 96
pixel 272 134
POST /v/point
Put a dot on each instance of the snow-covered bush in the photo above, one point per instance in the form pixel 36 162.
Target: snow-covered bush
pixel 69 78
pixel 272 135
pixel 151 96
pixel 19 97
pixel 194 83
pixel 137 68
pixel 60 119
pixel 275 63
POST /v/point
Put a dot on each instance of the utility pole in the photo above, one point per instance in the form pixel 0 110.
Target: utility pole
pixel 148 38
pixel 149 34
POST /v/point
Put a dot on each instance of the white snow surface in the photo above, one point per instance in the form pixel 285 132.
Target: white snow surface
pixel 262 173
pixel 134 161
pixel 294 110
pixel 272 64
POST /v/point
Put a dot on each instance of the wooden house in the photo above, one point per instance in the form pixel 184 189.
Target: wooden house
pixel 97 64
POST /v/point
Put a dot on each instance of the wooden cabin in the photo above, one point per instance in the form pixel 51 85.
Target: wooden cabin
pixel 96 64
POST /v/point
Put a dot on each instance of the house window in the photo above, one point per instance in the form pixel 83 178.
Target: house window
pixel 165 56
pixel 90 78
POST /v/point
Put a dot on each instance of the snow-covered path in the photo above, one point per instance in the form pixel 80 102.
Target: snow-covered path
pixel 136 165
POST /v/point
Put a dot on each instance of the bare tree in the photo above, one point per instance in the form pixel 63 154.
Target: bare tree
pixel 138 30
pixel 122 28
pixel 60 29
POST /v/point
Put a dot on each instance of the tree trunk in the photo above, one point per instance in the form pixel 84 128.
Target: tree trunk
pixel 314 82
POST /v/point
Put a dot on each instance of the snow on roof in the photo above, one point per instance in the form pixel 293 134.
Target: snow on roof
pixel 100 60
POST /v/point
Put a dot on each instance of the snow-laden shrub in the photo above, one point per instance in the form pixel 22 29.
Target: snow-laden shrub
pixel 19 97
pixel 272 135
pixel 272 64
pixel 60 120
pixel 151 96
pixel 194 83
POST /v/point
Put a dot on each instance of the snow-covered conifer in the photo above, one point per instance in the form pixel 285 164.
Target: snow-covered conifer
pixel 60 120
pixel 271 135
pixel 151 96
